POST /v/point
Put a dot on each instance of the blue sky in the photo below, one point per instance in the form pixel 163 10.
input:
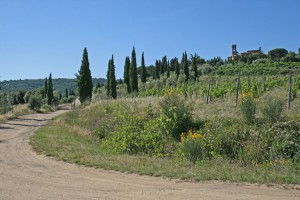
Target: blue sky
pixel 42 36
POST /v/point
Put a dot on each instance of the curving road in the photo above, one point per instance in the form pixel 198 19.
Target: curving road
pixel 27 175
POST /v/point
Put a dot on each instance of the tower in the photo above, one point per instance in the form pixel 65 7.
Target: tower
pixel 234 51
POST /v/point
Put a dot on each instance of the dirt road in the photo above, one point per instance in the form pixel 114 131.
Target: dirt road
pixel 26 175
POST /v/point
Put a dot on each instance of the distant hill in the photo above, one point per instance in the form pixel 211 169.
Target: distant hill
pixel 59 84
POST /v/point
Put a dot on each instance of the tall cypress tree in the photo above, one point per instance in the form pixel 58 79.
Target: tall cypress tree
pixel 67 93
pixel 126 73
pixel 163 66
pixel 133 77
pixel 84 79
pixel 143 74
pixel 176 66
pixel 185 66
pixel 112 79
pixel 50 90
pixel 194 65
pixel 157 69
pixel 46 88
pixel 168 69
pixel 108 88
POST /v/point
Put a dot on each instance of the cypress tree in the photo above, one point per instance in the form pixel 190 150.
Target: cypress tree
pixel 143 74
pixel 126 73
pixel 108 79
pixel 185 66
pixel 133 77
pixel 46 88
pixel 168 69
pixel 163 66
pixel 67 93
pixel 112 79
pixel 176 66
pixel 194 65
pixel 84 79
pixel 157 69
pixel 50 90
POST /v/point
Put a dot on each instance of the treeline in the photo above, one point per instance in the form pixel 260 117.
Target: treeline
pixel 59 84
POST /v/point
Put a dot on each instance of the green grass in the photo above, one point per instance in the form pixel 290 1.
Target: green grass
pixel 72 140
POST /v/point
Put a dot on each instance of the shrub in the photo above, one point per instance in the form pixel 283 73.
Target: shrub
pixel 285 140
pixel 192 146
pixel 47 108
pixel 178 116
pixel 35 102
pixel 225 136
pixel 272 108
pixel 248 108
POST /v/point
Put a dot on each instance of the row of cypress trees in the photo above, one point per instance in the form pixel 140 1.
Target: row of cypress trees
pixel 84 78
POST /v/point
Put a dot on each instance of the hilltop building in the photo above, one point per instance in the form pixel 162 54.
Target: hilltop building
pixel 236 56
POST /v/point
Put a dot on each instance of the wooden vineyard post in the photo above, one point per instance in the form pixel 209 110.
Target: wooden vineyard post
pixel 290 90
pixel 237 90
pixel 208 91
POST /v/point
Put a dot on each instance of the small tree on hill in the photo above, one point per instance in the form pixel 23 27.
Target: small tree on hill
pixel 194 65
pixel 143 74
pixel 157 69
pixel 126 73
pixel 50 90
pixel 112 79
pixel 185 66
pixel 277 54
pixel 84 79
pixel 133 77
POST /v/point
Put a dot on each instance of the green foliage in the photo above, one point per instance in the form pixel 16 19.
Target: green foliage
pixel 277 54
pixel 194 65
pixel 193 146
pixel 50 90
pixel 143 73
pixel 272 108
pixel 248 108
pixel 226 136
pixel 177 115
pixel 185 66
pixel 111 80
pixel 285 140
pixel 84 79
pixel 35 102
pixel 126 73
pixel 193 150
pixel 133 77
pixel 4 105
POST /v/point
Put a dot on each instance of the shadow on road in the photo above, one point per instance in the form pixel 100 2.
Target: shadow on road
pixel 4 128
pixel 19 124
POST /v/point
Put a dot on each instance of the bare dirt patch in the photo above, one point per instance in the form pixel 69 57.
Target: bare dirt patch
pixel 27 175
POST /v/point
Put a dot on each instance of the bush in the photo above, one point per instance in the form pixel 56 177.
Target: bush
pixel 285 140
pixel 193 146
pixel 35 102
pixel 225 136
pixel 272 108
pixel 248 108
pixel 178 116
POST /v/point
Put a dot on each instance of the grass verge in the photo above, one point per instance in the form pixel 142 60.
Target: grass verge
pixel 58 140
